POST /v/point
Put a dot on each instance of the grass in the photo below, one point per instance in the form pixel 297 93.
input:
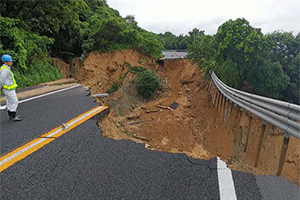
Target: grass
pixel 37 73
pixel 113 88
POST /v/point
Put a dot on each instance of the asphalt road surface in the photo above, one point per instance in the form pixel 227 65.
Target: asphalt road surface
pixel 83 165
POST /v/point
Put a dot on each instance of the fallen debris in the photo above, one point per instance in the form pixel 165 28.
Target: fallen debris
pixel 135 122
pixel 164 107
pixel 174 105
pixel 185 82
pixel 101 95
pixel 134 116
pixel 151 111
pixel 140 137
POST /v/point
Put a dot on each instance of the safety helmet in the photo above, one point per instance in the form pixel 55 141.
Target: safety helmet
pixel 6 58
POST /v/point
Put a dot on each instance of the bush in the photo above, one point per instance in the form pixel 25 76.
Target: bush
pixel 146 83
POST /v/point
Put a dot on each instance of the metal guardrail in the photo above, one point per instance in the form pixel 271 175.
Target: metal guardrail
pixel 283 115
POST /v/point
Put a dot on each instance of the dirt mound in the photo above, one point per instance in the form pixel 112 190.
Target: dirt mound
pixel 181 130
pixel 193 126
pixel 102 70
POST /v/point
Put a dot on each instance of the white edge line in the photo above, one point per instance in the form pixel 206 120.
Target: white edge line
pixel 43 95
pixel 226 184
pixel 50 135
pixel 49 93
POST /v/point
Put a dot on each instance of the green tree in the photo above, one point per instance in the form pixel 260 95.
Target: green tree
pixel 24 46
pixel 150 45
pixel 171 41
pixel 241 43
pixel 203 53
pixel 195 35
pixel 268 79
pixel 244 58
pixel 168 40
pixel 284 48
pixel 55 19
pixel 292 92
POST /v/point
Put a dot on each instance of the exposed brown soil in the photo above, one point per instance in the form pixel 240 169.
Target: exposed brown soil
pixel 62 66
pixel 194 127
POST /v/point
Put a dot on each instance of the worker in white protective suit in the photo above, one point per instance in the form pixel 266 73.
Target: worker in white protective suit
pixel 8 85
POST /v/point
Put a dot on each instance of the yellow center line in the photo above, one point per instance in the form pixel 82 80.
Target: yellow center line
pixel 18 154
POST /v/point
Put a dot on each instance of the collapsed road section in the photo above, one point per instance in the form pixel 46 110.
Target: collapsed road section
pixel 180 117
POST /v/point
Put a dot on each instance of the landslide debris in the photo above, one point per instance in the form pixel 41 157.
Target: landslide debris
pixel 183 129
pixel 180 118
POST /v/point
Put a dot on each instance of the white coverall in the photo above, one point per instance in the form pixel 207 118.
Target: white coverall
pixel 10 95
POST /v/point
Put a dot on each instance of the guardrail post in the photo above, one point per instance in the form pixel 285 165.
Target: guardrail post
pixel 262 134
pixel 240 113
pixel 248 132
pixel 220 102
pixel 235 113
pixel 217 99
pixel 230 110
pixel 222 108
pixel 209 86
pixel 284 148
pixel 214 95
pixel 226 110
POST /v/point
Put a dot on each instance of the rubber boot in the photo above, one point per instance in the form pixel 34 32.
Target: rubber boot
pixel 9 115
pixel 14 117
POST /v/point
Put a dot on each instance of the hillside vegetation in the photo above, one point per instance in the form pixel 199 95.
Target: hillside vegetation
pixel 241 55
pixel 245 58
pixel 33 31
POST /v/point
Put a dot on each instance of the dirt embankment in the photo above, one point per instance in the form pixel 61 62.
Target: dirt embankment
pixel 194 127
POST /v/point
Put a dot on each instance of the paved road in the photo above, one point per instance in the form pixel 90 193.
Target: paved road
pixel 42 115
pixel 83 165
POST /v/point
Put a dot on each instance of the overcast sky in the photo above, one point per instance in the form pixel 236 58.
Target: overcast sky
pixel 181 16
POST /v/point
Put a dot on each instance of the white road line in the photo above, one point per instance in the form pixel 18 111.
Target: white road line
pixel 226 185
pixel 42 95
